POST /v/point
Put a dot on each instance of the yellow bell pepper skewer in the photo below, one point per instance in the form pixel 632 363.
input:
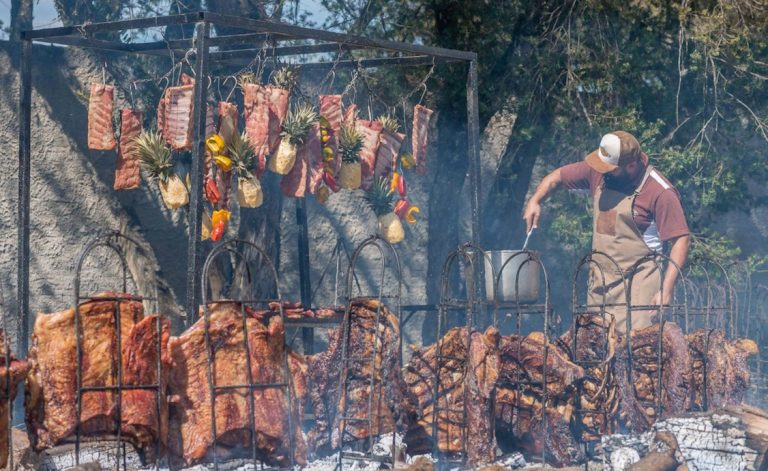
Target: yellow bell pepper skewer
pixel 215 144
pixel 393 184
pixel 223 162
pixel 409 216
pixel 220 216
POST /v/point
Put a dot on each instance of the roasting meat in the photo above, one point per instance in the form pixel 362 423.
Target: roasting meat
pixel 127 172
pixel 386 158
pixel 523 423
pixel 721 365
pixel 12 373
pixel 256 106
pixel 597 397
pixel 420 137
pixel 161 113
pixel 278 109
pixel 179 104
pixel 327 402
pixel 370 131
pixel 101 134
pixel 51 395
pixel 676 366
pixel 191 435
pixel 460 385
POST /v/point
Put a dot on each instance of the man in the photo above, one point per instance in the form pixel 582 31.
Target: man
pixel 635 212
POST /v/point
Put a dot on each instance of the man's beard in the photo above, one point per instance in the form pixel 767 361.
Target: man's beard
pixel 620 181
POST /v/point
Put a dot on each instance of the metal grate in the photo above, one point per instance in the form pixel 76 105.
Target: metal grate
pixel 234 248
pixel 112 241
pixel 364 450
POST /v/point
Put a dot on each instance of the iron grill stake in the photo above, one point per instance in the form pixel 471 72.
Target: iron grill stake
pixel 588 312
pixel 383 248
pixel 518 311
pixel 662 311
pixel 231 247
pixel 466 253
pixel 112 241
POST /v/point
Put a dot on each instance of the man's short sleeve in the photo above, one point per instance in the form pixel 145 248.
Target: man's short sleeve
pixel 577 176
pixel 669 215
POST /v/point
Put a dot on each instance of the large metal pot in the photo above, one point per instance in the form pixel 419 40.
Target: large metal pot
pixel 527 276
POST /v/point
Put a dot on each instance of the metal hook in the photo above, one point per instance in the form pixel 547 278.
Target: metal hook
pixel 423 93
pixel 186 59
pixel 104 73
pixel 234 87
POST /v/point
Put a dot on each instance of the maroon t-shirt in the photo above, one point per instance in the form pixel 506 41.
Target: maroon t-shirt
pixel 657 201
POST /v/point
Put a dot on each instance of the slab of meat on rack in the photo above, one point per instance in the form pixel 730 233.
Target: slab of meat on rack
pixel 190 414
pixel 327 402
pixel 256 109
pixel 477 376
pixel 386 157
pixel 179 104
pixel 12 372
pixel 420 137
pixel 370 131
pixel 51 398
pixel 278 108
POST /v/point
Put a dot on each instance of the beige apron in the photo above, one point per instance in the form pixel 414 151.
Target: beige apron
pixel 615 233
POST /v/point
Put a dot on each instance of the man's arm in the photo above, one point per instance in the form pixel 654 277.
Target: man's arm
pixel 678 253
pixel 533 208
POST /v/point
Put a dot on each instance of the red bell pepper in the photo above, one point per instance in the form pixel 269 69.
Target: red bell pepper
pixel 330 181
pixel 211 191
pixel 401 186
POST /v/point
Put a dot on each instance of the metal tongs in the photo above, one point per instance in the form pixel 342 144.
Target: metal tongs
pixel 527 236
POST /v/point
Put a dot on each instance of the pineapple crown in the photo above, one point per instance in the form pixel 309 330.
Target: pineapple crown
pixel 285 77
pixel 243 156
pixel 379 197
pixel 389 123
pixel 350 144
pixel 246 78
pixel 298 122
pixel 154 155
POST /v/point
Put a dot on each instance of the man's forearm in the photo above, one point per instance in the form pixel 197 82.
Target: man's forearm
pixel 547 185
pixel 678 254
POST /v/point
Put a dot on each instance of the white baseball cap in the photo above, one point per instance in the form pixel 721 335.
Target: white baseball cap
pixel 616 149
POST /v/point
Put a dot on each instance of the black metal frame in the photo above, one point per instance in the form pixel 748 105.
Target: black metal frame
pixel 250 386
pixel 665 312
pixel 594 310
pixel 383 248
pixel 470 254
pixel 111 241
pixel 518 311
pixel 259 33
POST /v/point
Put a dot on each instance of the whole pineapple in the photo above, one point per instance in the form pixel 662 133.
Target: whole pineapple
pixel 379 198
pixel 285 78
pixel 350 144
pixel 296 126
pixel 155 157
pixel 249 193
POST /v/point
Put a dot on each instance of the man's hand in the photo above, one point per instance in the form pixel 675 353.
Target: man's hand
pixel 531 215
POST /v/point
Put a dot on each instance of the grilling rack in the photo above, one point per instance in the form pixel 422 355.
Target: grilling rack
pixel 234 248
pixel 598 264
pixel 112 241
pixel 678 309
pixel 468 254
pixel 365 450
pixel 710 307
pixel 516 311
